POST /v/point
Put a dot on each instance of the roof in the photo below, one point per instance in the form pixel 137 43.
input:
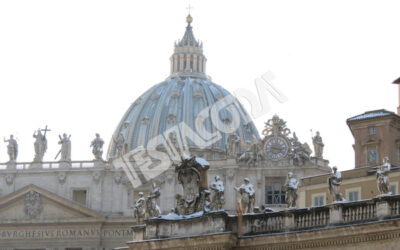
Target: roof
pixel 371 114
pixel 397 81
pixel 167 106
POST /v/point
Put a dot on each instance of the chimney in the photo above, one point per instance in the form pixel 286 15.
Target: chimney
pixel 398 83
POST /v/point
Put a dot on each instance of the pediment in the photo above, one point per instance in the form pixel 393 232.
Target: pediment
pixel 370 140
pixel 32 203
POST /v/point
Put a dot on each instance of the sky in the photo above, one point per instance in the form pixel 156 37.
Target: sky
pixel 76 66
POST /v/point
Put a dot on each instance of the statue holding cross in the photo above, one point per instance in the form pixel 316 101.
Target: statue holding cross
pixel 40 144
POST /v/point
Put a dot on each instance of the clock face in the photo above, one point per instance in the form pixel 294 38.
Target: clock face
pixel 276 148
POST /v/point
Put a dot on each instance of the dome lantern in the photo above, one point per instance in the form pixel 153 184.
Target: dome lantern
pixel 188 58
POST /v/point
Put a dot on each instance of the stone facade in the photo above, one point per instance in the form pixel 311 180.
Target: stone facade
pixel 38 208
pixel 329 227
pixel 89 204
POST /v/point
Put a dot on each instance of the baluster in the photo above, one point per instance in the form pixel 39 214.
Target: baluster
pixel 300 221
pixel 312 219
pixel 272 223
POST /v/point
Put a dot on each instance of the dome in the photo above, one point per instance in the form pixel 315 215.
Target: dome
pixel 186 105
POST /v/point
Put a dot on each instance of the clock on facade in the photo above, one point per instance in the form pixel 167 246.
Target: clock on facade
pixel 276 148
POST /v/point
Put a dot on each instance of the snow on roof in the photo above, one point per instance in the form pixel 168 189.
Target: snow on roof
pixel 371 114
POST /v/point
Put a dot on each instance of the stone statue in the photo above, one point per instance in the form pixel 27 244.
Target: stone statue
pixel 12 148
pixel 65 150
pixel 217 194
pixel 97 145
pixel 334 185
pixel 40 144
pixel 382 176
pixel 152 209
pixel 192 175
pixel 250 156
pixel 120 145
pixel 139 211
pixel 248 196
pixel 232 144
pixel 291 187
pixel 300 152
pixel 318 145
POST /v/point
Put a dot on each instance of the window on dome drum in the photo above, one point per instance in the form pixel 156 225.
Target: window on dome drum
pixel 353 194
pixel 318 200
pixel 372 130
pixel 79 196
pixel 372 154
pixel 274 193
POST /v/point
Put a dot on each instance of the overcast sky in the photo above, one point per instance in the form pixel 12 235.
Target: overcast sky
pixel 76 66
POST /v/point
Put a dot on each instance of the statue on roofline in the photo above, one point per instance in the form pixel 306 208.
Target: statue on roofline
pixel 12 148
pixel 382 176
pixel 291 187
pixel 334 185
pixel 248 196
pixel 217 194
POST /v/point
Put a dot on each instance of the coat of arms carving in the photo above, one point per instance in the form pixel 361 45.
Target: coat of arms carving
pixel 33 204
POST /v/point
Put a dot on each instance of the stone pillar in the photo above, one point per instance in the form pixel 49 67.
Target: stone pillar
pixel 289 222
pixel 181 58
pixel 204 60
pixel 175 63
pixel 383 209
pixel 200 64
pixel 335 214
pixel 230 193
pixel 11 165
pixel 195 63
pixel 139 232
pixel 187 62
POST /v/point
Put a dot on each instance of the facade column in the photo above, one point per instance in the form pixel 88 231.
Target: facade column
pixel 181 58
pixel 195 63
pixel 187 62
pixel 200 64
pixel 175 63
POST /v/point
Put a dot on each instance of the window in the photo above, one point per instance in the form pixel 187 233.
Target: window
pixel 372 154
pixel 79 196
pixel 274 193
pixel 393 188
pixel 353 194
pixel 372 130
pixel 318 200
pixel 398 155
